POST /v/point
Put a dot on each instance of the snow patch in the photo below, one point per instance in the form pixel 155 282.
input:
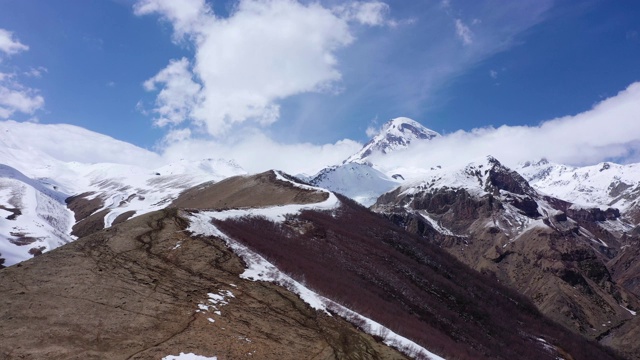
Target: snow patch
pixel 278 213
pixel 215 301
pixel 435 225
pixel 629 310
pixel 188 356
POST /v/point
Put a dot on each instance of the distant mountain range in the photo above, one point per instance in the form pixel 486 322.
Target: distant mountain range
pixel 567 239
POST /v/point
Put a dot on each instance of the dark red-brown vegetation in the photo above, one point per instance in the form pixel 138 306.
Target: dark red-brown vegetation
pixel 368 264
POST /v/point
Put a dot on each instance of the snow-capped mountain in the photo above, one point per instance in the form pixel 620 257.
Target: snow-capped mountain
pixel 491 218
pixel 358 178
pixel 38 177
pixel 34 217
pixel 360 182
pixel 548 230
pixel 523 207
pixel 395 134
pixel 127 190
pixel 605 184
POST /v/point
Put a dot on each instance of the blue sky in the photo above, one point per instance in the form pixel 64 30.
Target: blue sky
pixel 448 64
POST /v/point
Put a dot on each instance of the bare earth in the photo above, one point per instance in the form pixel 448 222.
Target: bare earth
pixel 132 292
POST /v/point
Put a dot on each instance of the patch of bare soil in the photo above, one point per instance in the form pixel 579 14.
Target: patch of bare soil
pixel 133 292
pixel 84 210
pixel 21 239
pixel 123 217
pixel 247 191
pixel 83 207
pixel 89 225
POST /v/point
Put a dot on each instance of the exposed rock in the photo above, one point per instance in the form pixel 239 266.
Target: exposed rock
pixel 558 258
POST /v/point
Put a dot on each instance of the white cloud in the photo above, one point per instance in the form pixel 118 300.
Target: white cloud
pixel 464 33
pixel 610 130
pixel 256 152
pixel 9 45
pixel 15 98
pixel 179 94
pixel 36 72
pixel 188 17
pixel 493 74
pixel 265 51
pixel 67 143
pixel 372 131
pixel 372 13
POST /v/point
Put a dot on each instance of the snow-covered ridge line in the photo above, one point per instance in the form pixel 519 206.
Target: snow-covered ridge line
pixel 281 177
pixel 259 269
pixel 279 213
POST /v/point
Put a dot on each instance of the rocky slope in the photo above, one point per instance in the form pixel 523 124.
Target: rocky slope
pixel 354 257
pixel 198 281
pixel 145 289
pixel 489 217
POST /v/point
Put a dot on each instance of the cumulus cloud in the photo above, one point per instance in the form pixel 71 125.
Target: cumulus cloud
pixel 609 131
pixel 263 52
pixel 464 33
pixel 9 45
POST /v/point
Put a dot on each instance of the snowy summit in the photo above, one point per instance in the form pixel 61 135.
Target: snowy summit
pixel 396 134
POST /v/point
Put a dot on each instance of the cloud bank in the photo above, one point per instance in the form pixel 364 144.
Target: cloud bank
pixel 264 51
pixel 610 131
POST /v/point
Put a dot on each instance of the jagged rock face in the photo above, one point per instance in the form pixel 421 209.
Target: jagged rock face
pixel 538 244
pixel 593 214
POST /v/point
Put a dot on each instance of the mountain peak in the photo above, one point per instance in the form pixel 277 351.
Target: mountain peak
pixel 395 134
